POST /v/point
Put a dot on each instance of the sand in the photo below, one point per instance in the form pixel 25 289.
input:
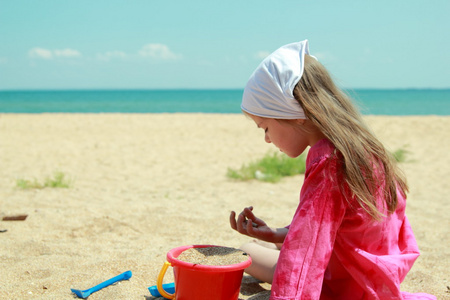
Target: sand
pixel 213 256
pixel 142 184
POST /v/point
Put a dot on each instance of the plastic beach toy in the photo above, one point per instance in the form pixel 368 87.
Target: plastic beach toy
pixel 201 282
pixel 84 294
pixel 168 287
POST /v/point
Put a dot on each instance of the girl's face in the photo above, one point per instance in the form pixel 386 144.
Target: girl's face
pixel 291 137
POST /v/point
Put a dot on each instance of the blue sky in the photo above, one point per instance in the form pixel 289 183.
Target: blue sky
pixel 149 44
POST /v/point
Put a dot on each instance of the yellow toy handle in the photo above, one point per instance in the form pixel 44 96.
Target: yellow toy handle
pixel 159 282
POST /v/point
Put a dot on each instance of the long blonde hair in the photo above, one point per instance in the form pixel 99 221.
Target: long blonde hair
pixel 363 155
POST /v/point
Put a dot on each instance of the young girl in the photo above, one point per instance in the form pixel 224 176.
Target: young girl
pixel 349 238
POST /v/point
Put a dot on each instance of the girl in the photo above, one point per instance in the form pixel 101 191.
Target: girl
pixel 349 238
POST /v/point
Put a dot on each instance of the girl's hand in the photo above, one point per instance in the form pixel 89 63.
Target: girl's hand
pixel 248 224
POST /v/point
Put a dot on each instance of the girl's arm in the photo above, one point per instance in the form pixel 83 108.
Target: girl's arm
pixel 308 247
pixel 248 224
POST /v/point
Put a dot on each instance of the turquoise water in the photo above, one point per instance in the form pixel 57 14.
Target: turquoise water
pixel 403 102
pixel 374 102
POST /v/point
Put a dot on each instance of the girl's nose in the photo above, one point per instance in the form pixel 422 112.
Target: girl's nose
pixel 266 138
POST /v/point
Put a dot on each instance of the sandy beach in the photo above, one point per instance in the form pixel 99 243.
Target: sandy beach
pixel 142 184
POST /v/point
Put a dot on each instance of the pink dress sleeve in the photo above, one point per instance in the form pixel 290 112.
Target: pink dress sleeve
pixel 308 246
pixel 335 250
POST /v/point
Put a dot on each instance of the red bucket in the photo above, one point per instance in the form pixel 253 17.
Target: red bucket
pixel 202 282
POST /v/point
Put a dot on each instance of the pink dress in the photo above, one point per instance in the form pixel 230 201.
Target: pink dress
pixel 334 250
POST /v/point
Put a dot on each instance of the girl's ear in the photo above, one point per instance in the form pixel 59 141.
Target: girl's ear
pixel 299 121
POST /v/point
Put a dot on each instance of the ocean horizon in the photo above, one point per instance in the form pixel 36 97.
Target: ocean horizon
pixel 370 101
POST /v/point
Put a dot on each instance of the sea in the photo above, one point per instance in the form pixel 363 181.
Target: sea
pixel 399 102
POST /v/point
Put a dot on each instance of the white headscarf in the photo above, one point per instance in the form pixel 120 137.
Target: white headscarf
pixel 269 91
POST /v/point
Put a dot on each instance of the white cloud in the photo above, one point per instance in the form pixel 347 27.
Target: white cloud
pixel 324 56
pixel 107 56
pixel 40 53
pixel 261 54
pixel 67 53
pixel 153 51
pixel 158 51
pixel 50 54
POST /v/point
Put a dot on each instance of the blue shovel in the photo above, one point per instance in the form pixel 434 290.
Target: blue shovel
pixel 84 294
pixel 168 287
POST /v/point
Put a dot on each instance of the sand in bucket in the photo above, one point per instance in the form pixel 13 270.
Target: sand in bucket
pixel 206 272
pixel 213 256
